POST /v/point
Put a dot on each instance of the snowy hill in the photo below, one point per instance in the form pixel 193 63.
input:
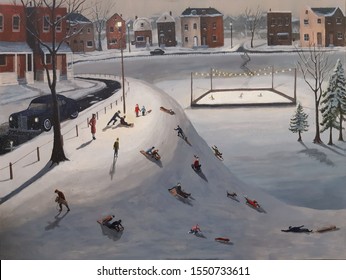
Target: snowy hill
pixel 134 189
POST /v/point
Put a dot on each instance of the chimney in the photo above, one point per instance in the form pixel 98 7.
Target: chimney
pixel 136 17
pixel 170 13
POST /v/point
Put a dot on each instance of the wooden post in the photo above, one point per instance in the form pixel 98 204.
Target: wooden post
pixel 111 105
pixel 105 110
pixel 273 77
pixel 191 89
pixel 77 130
pixel 11 171
pixel 211 79
pixel 97 115
pixel 295 85
pixel 88 122
pixel 38 153
pixel 116 102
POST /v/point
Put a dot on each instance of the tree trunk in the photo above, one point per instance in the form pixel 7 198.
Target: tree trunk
pixel 317 139
pixel 252 35
pixel 340 129
pixel 99 41
pixel 300 136
pixel 58 154
pixel 330 136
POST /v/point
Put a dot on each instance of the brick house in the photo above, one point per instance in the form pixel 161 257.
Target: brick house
pixel 322 27
pixel 16 57
pixel 83 39
pixel 116 32
pixel 143 32
pixel 166 30
pixel 38 19
pixel 279 28
pixel 202 27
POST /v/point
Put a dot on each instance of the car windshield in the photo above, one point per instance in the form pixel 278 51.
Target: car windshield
pixel 38 106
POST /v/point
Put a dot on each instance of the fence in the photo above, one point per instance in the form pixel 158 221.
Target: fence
pixel 10 167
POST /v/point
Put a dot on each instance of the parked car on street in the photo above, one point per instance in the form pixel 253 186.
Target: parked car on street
pixel 39 115
pixel 157 52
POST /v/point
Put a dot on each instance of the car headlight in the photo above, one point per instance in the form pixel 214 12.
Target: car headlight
pixel 11 118
pixel 36 120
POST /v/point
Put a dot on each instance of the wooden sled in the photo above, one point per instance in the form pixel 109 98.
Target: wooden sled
pixel 169 111
pixel 105 223
pixel 326 228
pixel 224 240
pixel 156 157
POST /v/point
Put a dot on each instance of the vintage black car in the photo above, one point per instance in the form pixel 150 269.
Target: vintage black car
pixel 38 116
pixel 157 52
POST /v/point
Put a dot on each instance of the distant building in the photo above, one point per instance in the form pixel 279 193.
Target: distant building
pixel 322 27
pixel 116 32
pixel 166 30
pixel 143 32
pixel 202 27
pixel 81 31
pixel 279 28
pixel 16 57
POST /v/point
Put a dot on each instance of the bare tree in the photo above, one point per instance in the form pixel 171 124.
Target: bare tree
pixel 53 21
pixel 314 65
pixel 253 20
pixel 100 12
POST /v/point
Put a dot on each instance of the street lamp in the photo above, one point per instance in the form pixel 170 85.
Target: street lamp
pixel 231 24
pixel 119 24
pixel 128 36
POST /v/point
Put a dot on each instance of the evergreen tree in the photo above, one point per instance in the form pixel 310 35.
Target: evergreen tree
pixel 339 86
pixel 299 122
pixel 329 110
pixel 334 100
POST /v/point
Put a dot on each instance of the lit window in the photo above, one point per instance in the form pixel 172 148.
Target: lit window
pixel 15 23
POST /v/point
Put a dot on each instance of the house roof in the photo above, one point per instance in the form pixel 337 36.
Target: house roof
pixel 77 17
pixel 165 17
pixel 64 48
pixel 14 47
pixel 201 12
pixel 141 24
pixel 324 11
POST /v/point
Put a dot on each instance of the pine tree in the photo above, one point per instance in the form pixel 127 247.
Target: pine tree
pixel 339 86
pixel 334 102
pixel 299 122
pixel 329 110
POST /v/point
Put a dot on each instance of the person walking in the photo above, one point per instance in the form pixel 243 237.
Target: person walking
pixel 116 147
pixel 137 110
pixel 61 200
pixel 92 124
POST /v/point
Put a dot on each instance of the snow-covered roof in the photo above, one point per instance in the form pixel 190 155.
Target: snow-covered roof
pixel 77 18
pixel 64 48
pixel 141 24
pixel 14 47
pixel 165 17
pixel 201 12
pixel 327 12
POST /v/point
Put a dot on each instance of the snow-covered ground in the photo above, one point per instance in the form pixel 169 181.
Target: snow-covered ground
pixel 296 183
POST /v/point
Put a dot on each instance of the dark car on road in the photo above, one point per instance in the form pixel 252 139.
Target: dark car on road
pixel 157 52
pixel 39 114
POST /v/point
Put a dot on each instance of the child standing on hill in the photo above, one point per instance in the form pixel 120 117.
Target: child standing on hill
pixel 116 147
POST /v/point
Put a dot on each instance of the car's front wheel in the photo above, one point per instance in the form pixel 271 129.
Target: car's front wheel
pixel 47 125
pixel 74 115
